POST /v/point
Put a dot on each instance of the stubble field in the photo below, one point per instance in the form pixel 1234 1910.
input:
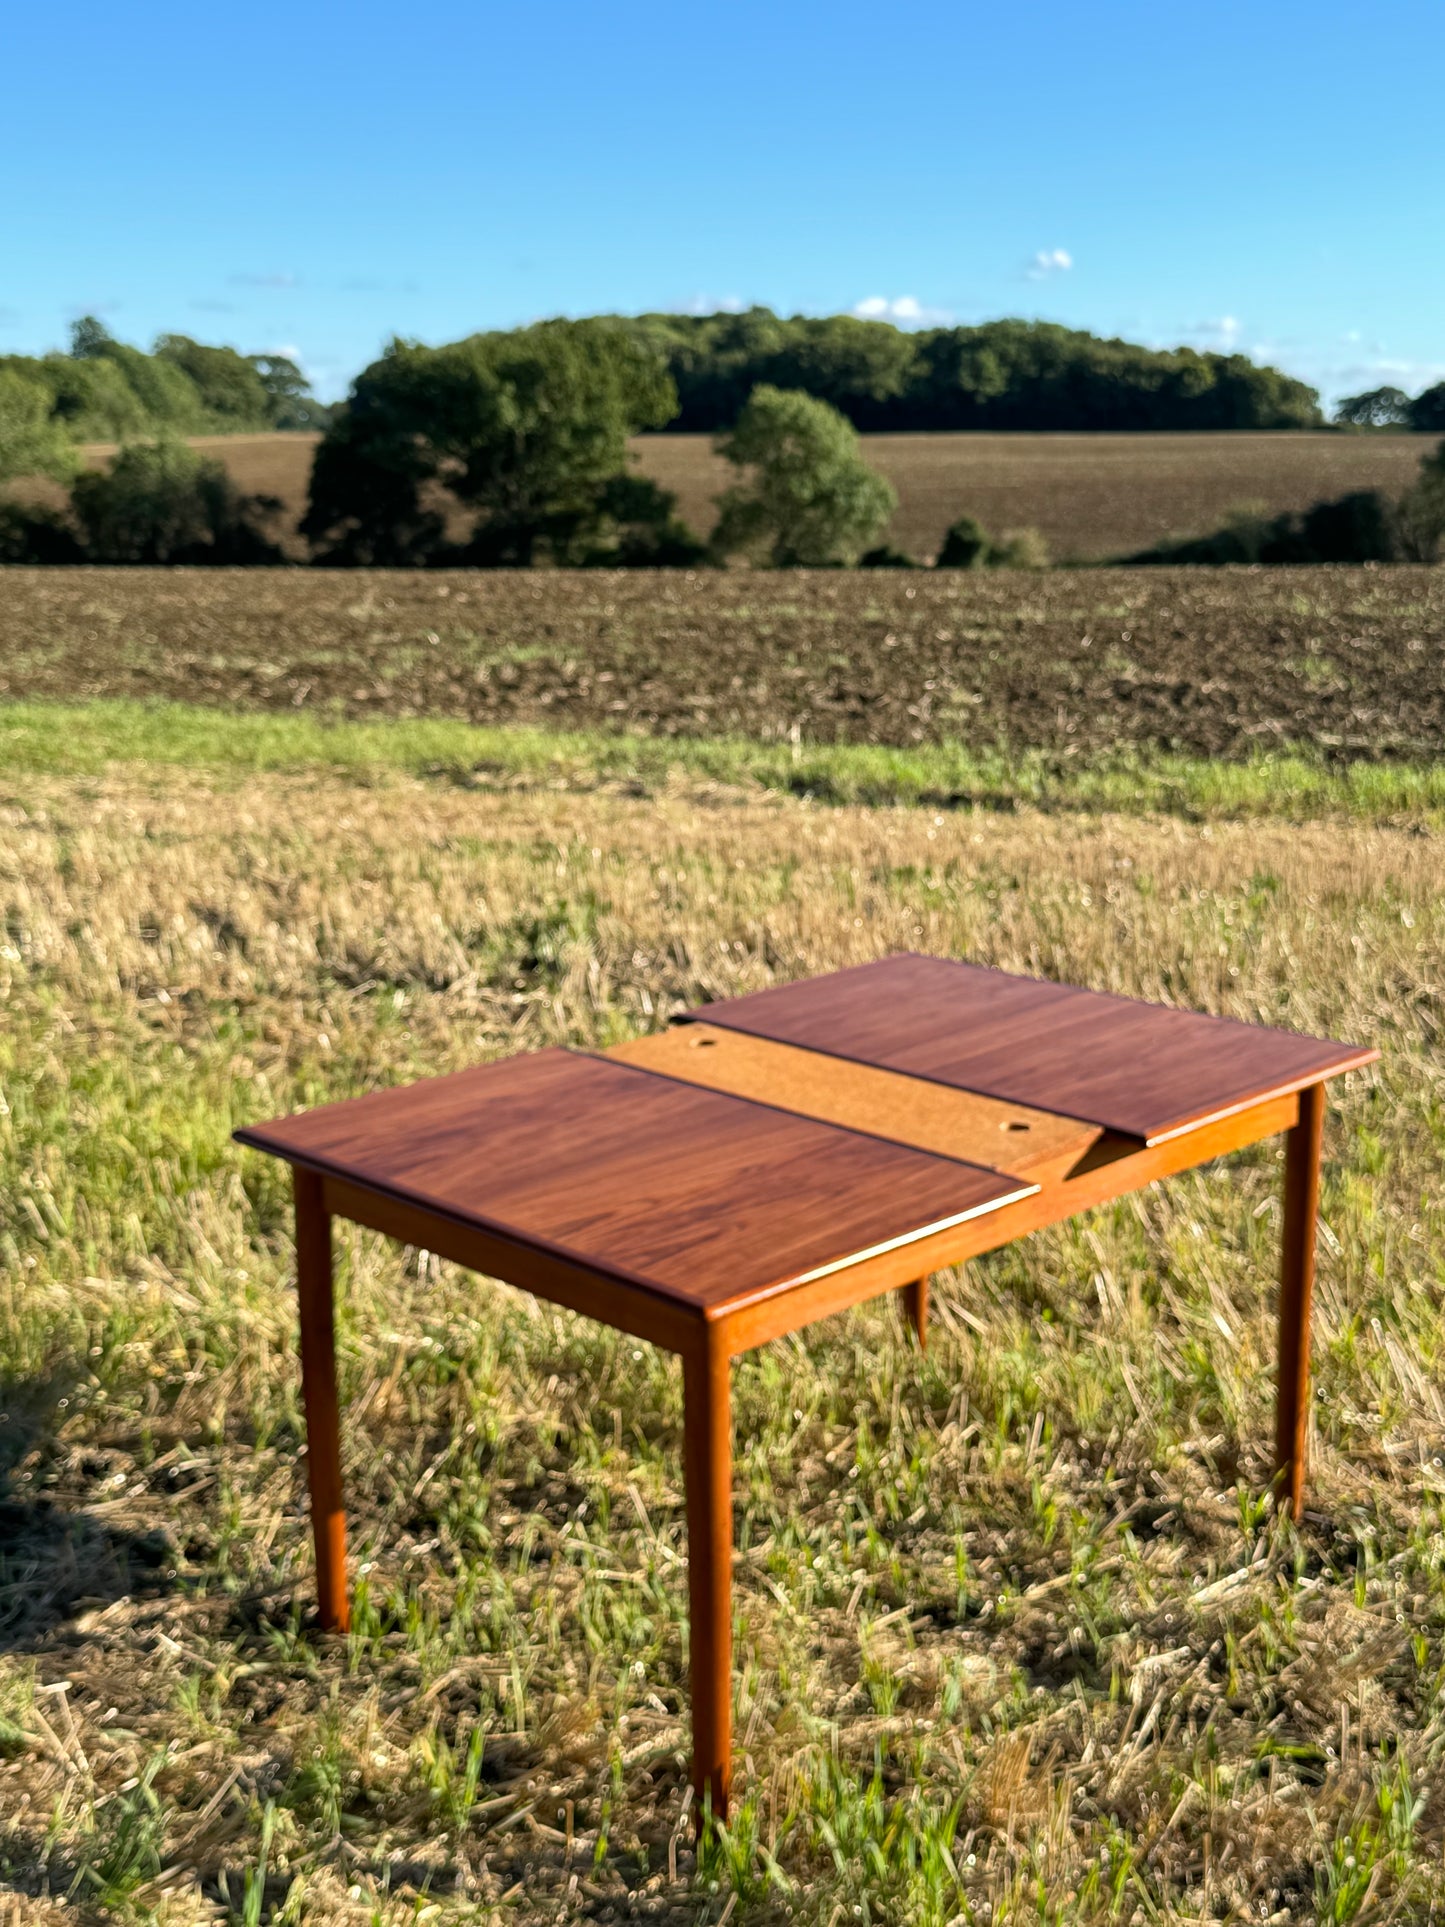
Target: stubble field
pixel 1091 496
pixel 1017 1639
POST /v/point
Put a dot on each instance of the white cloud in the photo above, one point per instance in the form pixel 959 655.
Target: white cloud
pixel 1222 334
pixel 906 310
pixel 703 304
pixel 1049 261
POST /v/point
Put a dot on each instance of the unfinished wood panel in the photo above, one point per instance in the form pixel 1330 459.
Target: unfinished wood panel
pixel 909 1110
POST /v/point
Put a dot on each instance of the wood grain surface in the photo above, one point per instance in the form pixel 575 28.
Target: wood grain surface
pixel 933 1117
pixel 1146 1070
pixel 769 1314
pixel 690 1193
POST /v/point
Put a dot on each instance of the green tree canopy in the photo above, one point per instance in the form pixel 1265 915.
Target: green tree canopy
pixel 810 499
pixel 163 502
pixel 32 441
pixel 1375 408
pixel 288 393
pixel 105 390
pixel 1422 511
pixel 999 375
pixel 89 338
pixel 525 431
pixel 228 385
pixel 1427 411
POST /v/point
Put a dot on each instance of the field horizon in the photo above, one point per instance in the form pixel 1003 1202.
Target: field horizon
pixel 1091 496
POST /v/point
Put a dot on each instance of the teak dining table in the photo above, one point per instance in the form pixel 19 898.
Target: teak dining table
pixel 774 1158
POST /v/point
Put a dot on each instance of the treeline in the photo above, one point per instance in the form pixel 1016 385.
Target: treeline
pixel 1392 408
pixel 999 375
pixel 104 390
pixel 510 449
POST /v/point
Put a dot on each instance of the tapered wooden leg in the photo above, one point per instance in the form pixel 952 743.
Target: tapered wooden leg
pixel 915 1305
pixel 318 1388
pixel 708 1465
pixel 1296 1291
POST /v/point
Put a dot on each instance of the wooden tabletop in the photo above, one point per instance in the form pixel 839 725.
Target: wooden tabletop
pixel 698 1196
pixel 1147 1071
pixel 778 1138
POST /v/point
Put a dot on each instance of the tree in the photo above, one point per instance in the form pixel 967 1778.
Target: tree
pixel 1002 374
pixel 1422 512
pixel 32 533
pixel 715 361
pixel 106 390
pixel 288 393
pixel 1427 411
pixel 168 399
pixel 525 430
pixel 1364 526
pixel 365 508
pixel 638 528
pixel 161 502
pixel 93 398
pixel 228 385
pixel 89 337
pixel 32 440
pixel 811 500
pixel 968 545
pixel 861 367
pixel 1359 527
pixel 1375 408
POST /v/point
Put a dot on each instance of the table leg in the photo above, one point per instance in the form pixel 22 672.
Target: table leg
pixel 708 1467
pixel 1296 1290
pixel 318 1389
pixel 915 1306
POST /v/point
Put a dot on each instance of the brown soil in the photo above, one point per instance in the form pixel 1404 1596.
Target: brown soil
pixel 1205 662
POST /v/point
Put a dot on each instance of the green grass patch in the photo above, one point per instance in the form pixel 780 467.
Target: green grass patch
pixel 1294 783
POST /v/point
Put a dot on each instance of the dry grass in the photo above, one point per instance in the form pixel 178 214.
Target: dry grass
pixel 1347 662
pixel 1016 1640
pixel 1090 495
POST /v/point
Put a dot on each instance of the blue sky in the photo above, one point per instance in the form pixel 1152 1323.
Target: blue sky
pixel 315 178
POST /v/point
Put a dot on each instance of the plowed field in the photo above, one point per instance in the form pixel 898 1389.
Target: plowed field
pixel 1204 662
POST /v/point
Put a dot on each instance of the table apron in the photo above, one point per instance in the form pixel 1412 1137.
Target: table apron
pixel 611 1301
pixel 789 1310
pixel 691 1333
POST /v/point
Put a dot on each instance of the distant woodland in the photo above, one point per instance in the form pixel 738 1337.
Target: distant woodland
pixel 511 448
pixel 104 390
pixel 998 375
